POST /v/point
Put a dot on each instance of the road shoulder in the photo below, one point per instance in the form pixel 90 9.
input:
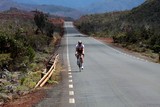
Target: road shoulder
pixel 109 42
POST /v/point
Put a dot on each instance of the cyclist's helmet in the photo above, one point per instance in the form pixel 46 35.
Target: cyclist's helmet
pixel 79 42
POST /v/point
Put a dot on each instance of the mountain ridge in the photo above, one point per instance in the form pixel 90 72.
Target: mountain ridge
pixel 92 6
pixel 52 9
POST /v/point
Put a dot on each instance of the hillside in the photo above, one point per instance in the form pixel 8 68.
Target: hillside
pixel 139 26
pixel 100 24
pixel 148 12
pixel 27 41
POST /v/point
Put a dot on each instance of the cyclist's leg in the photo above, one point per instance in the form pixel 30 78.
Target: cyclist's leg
pixel 82 61
pixel 82 57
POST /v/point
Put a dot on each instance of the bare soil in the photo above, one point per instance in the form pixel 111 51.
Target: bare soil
pixel 27 100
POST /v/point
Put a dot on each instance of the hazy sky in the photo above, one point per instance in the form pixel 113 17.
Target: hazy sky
pixel 68 3
pixel 79 4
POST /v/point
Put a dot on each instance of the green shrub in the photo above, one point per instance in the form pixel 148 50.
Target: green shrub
pixel 5 59
pixel 156 48
pixel 30 53
pixel 28 82
pixel 30 79
pixel 22 88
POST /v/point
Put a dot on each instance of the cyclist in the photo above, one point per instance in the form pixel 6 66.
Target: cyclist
pixel 80 51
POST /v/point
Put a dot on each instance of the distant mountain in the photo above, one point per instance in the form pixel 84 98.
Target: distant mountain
pixel 112 5
pixel 90 6
pixel 52 9
pixel 97 6
pixel 66 3
pixel 6 4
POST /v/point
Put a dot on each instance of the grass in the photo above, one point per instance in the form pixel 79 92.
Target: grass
pixel 144 51
pixel 55 78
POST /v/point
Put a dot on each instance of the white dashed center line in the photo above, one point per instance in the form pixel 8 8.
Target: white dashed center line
pixel 71 92
pixel 70 76
pixel 71 100
pixel 69 73
pixel 70 85
pixel 70 81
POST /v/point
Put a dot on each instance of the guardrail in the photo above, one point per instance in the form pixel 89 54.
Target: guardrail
pixel 48 74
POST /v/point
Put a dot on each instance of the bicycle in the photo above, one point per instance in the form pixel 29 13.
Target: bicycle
pixel 79 62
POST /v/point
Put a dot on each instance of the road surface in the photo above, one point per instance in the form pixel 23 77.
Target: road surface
pixel 110 78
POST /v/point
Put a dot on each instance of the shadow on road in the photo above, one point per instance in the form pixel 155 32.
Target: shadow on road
pixel 75 71
pixel 78 35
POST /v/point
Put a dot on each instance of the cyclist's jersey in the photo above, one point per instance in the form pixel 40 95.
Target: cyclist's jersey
pixel 80 49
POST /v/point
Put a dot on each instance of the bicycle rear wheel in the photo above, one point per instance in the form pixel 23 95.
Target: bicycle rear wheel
pixel 80 66
pixel 80 69
pixel 79 63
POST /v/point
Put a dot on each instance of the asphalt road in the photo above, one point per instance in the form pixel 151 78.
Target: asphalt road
pixel 110 78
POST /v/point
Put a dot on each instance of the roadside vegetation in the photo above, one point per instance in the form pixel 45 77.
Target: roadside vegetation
pixel 137 29
pixel 27 41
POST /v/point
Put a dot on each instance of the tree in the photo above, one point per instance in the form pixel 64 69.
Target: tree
pixel 49 29
pixel 40 19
